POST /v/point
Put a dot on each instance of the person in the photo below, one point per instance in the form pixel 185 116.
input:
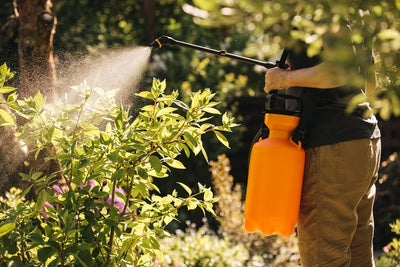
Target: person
pixel 335 225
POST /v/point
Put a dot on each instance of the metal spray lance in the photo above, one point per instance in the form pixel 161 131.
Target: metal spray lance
pixel 164 40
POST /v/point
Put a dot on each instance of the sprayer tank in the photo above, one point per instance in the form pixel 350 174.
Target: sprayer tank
pixel 275 179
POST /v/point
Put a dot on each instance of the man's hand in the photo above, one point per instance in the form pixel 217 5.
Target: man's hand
pixel 276 79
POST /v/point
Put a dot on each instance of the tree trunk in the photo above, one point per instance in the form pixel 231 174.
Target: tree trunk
pixel 149 15
pixel 8 30
pixel 36 73
pixel 35 47
pixel 12 158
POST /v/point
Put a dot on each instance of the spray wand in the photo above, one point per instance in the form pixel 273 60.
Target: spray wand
pixel 163 40
pixel 272 96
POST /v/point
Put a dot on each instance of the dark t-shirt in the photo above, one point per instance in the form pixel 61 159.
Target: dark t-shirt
pixel 325 118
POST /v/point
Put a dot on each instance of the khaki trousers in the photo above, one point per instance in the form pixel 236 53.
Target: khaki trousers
pixel 335 226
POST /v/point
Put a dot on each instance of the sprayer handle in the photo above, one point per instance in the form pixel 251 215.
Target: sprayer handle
pixel 282 62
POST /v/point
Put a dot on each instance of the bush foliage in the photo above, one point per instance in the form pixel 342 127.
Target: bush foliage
pixel 391 255
pixel 201 247
pixel 102 207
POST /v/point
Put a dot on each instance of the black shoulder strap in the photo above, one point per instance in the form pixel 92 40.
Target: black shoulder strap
pixel 309 97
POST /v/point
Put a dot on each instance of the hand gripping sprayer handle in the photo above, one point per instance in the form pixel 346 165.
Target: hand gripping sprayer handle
pixel 163 40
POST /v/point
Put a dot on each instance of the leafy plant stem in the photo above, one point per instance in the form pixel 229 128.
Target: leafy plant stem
pixel 98 245
pixel 174 209
pixel 94 165
pixel 44 122
pixel 153 119
pixel 128 193
pixel 62 251
pixel 133 241
pixel 112 227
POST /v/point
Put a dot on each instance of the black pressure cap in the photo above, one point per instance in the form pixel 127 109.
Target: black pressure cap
pixel 160 41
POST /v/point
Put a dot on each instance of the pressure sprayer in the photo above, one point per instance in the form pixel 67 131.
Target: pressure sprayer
pixel 276 163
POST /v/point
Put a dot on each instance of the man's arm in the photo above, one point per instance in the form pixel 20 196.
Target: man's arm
pixel 323 76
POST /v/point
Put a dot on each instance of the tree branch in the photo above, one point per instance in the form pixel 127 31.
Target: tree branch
pixel 9 29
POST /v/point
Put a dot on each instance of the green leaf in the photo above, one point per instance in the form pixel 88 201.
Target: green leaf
pixel 192 203
pixel 25 177
pixel 118 121
pixel 187 189
pixel 5 118
pixel 203 151
pixel 185 149
pixel 50 133
pixel 165 111
pixel 388 34
pixel 206 5
pixel 190 138
pixel 36 238
pixel 26 191
pixel 212 111
pixel 163 85
pixel 145 94
pixel 90 129
pixel 209 208
pixel 148 108
pixel 166 98
pixel 36 175
pixel 39 101
pixel 105 138
pixel 157 88
pixel 85 258
pixel 3 70
pixel 195 100
pixel 6 228
pixel 118 174
pixel 168 219
pixel 205 126
pixel 114 156
pixel 176 164
pixel 7 89
pixel 208 195
pixel 142 173
pixel 44 254
pixel 40 200
pixel 222 139
pixel 155 163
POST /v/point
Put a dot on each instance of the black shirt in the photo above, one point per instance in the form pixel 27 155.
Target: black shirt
pixel 324 110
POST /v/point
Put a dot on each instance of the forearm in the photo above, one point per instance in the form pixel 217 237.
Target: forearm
pixel 324 76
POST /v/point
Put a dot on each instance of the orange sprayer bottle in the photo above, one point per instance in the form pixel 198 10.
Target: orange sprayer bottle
pixel 275 175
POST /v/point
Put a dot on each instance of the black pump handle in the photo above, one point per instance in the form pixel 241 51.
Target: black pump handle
pixel 281 64
pixel 282 61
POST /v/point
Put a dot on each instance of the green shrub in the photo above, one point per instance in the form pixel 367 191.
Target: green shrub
pixel 385 261
pixel 202 248
pixel 101 207
pixel 391 256
pixel 387 202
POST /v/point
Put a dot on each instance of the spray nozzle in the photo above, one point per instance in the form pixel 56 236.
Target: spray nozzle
pixel 160 41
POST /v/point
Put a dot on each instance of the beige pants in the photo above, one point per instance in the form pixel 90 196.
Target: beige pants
pixel 335 226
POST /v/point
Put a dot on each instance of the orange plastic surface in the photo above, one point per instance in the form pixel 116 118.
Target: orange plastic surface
pixel 275 179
